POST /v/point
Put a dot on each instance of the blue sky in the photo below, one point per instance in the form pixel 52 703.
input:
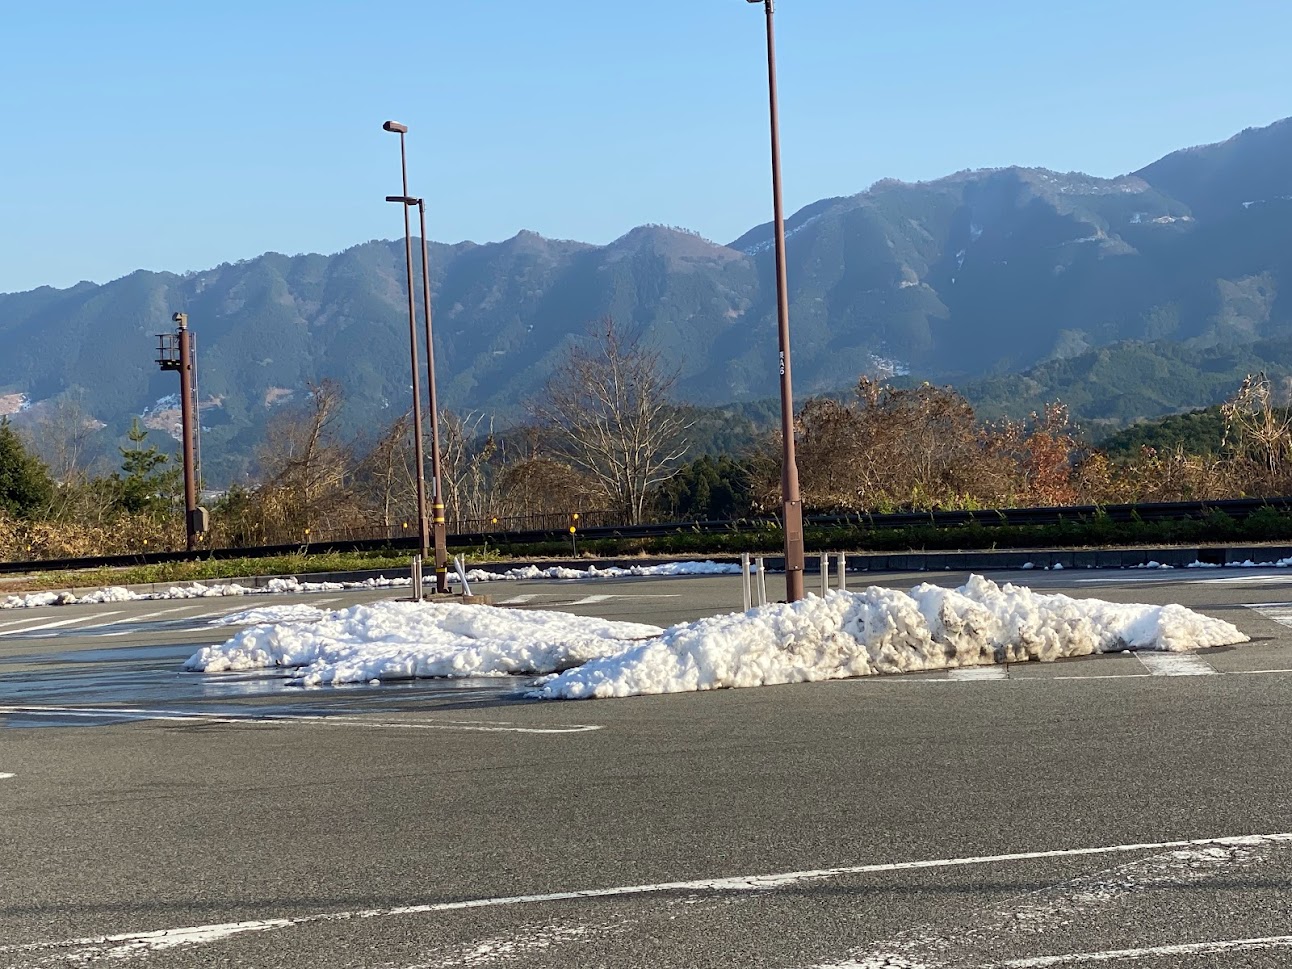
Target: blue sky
pixel 177 136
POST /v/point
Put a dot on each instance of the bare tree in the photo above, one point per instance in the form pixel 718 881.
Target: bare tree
pixel 1256 429
pixel 385 474
pixel 467 451
pixel 306 469
pixel 608 406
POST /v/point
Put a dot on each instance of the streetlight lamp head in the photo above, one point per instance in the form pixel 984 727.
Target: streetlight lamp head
pixel 404 199
pixel 403 128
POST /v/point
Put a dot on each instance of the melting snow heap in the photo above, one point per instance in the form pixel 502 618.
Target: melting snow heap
pixel 842 634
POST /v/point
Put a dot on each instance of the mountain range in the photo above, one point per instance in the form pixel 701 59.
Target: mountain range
pixel 968 280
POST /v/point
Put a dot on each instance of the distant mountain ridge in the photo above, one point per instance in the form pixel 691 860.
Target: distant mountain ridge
pixel 966 278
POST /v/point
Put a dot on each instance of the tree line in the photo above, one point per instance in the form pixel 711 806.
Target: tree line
pixel 606 440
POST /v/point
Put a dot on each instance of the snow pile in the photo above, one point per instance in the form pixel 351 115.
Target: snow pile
pixel 843 634
pixel 886 631
pixel 408 640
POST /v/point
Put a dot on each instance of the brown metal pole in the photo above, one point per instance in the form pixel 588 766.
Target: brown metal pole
pixel 437 491
pixel 792 503
pixel 418 457
pixel 186 422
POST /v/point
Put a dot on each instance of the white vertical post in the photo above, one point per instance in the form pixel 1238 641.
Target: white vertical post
pixel 825 573
pixel 762 581
pixel 745 588
pixel 460 566
pixel 417 578
pixel 843 571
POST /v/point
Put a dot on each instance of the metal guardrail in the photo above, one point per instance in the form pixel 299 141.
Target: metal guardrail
pixel 1238 509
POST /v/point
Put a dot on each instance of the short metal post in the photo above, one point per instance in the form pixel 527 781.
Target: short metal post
pixel 746 590
pixel 417 578
pixel 825 573
pixel 460 566
pixel 843 571
pixel 762 581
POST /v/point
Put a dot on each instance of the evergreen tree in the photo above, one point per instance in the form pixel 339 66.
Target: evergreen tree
pixel 145 483
pixel 25 485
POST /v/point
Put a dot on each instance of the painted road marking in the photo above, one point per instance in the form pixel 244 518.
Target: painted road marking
pixel 127 945
pixel 194 716
pixel 516 600
pixel 146 615
pixel 5 777
pixel 589 600
pixel 976 934
pixel 996 672
pixel 1156 952
pixel 1175 664
pixel 61 622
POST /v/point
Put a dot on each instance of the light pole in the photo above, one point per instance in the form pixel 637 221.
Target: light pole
pixel 402 130
pixel 175 352
pixel 437 491
pixel 792 503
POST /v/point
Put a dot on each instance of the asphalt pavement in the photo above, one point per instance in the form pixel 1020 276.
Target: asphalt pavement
pixel 1096 811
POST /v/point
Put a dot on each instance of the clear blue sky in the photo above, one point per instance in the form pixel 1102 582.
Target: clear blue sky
pixel 169 135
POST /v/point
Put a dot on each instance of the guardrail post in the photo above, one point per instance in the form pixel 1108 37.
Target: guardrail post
pixel 745 588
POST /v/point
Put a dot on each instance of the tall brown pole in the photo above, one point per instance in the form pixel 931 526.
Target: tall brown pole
pixel 418 457
pixel 437 490
pixel 792 503
pixel 186 422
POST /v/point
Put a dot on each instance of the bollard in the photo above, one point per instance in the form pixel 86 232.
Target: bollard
pixel 843 571
pixel 762 581
pixel 460 566
pixel 825 573
pixel 417 578
pixel 746 591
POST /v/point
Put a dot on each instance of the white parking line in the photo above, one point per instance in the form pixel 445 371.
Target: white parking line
pixel 588 600
pixel 1155 952
pixel 5 777
pixel 996 672
pixel 132 944
pixel 91 620
pixel 1175 664
pixel 146 615
pixel 198 716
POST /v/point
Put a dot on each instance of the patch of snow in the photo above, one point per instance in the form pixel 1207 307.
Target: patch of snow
pixel 160 405
pixel 790 234
pixel 195 591
pixel 975 232
pixel 13 404
pixel 290 585
pixel 888 367
pixel 296 612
